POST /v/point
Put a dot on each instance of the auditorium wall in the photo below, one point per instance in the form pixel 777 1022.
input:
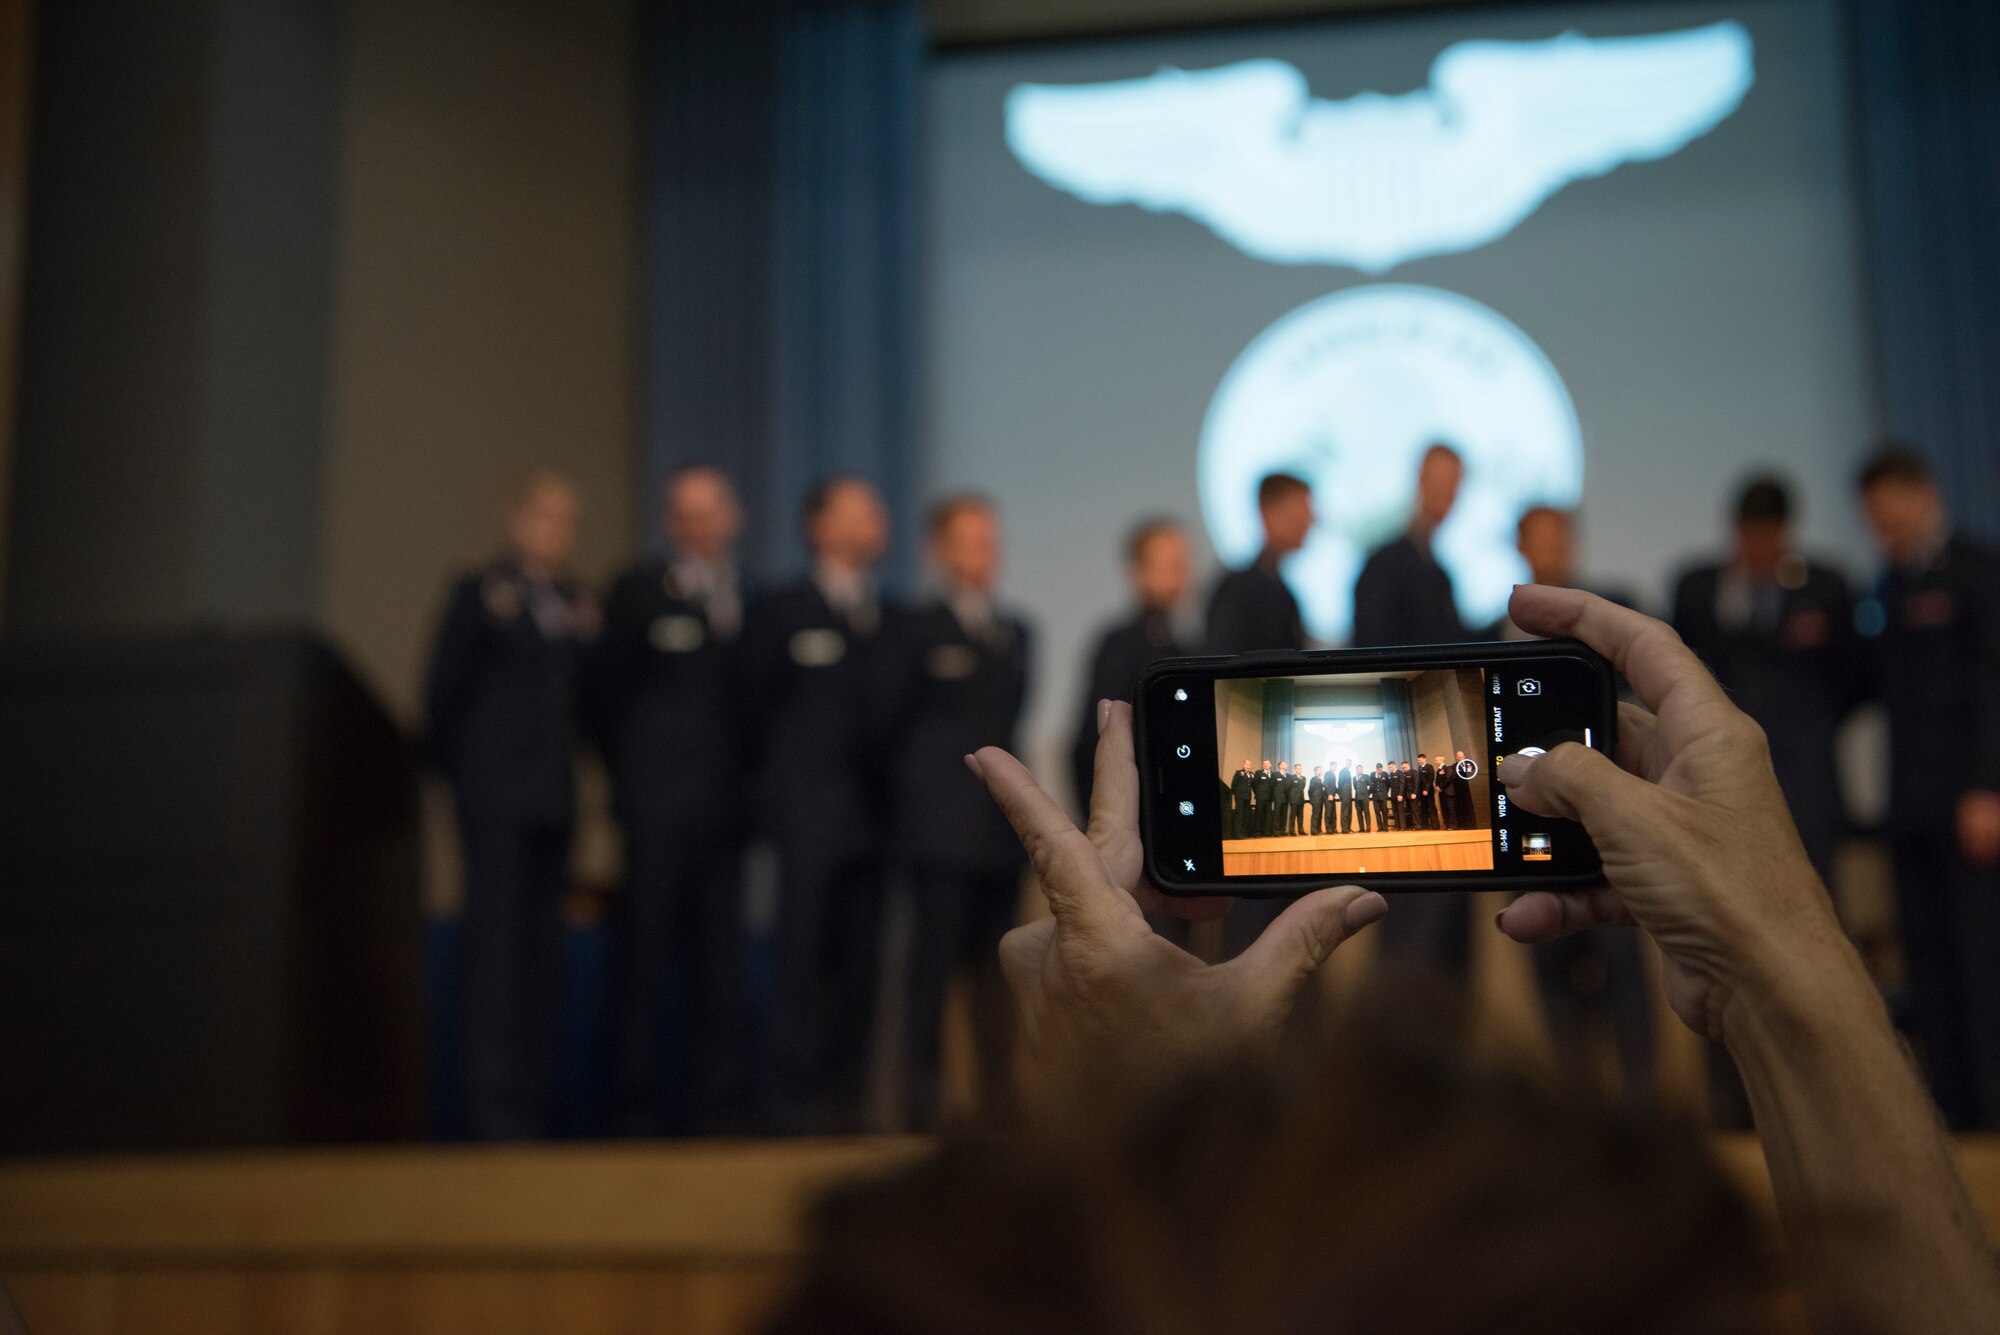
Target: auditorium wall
pixel 483 302
pixel 1242 730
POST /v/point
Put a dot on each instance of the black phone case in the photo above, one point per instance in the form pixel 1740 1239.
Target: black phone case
pixel 1285 661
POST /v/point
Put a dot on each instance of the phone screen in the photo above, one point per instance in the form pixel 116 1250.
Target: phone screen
pixel 1363 766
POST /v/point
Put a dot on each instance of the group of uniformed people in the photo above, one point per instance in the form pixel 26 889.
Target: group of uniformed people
pixel 815 717
pixel 1264 803
pixel 829 724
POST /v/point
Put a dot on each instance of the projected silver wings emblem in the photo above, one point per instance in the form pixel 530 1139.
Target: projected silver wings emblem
pixel 1373 181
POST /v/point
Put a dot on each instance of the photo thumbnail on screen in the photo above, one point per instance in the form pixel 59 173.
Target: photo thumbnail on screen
pixel 1354 774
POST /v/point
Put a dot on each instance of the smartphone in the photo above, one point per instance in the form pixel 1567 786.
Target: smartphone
pixel 1394 752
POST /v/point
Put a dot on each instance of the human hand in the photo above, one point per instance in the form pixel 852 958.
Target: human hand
pixel 1698 846
pixel 1094 983
pixel 1979 827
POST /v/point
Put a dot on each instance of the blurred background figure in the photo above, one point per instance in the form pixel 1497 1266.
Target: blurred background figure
pixel 1403 596
pixel 811 652
pixel 1777 630
pixel 1935 623
pixel 1592 983
pixel 956 680
pixel 1158 561
pixel 502 700
pixel 1252 608
pixel 670 726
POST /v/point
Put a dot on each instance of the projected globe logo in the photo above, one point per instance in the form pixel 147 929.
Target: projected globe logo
pixel 1347 392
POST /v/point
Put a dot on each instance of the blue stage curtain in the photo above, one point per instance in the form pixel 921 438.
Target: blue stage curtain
pixel 780 201
pixel 1280 696
pixel 1929 83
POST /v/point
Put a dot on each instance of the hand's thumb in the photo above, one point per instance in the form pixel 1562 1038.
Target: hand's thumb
pixel 1572 781
pixel 1304 935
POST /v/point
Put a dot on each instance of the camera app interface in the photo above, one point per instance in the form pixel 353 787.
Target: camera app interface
pixel 1384 773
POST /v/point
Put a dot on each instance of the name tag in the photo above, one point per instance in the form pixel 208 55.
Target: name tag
pixel 951 662
pixel 677 633
pixel 818 648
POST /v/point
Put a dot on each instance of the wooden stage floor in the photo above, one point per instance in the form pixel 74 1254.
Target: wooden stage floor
pixel 1353 854
pixel 695 1239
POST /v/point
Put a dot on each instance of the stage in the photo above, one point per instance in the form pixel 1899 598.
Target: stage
pixel 1355 854
pixel 694 1239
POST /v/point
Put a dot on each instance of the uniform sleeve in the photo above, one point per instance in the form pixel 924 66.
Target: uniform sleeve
pixel 1104 672
pixel 610 666
pixel 1374 615
pixel 1981 592
pixel 1224 624
pixel 759 664
pixel 896 684
pixel 454 667
pixel 1026 681
pixel 1683 616
pixel 1848 652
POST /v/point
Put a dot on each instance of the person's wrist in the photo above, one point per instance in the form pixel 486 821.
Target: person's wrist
pixel 1790 996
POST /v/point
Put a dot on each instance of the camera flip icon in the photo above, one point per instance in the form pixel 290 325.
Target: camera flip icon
pixel 1528 686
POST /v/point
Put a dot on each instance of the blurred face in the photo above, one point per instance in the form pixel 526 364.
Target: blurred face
pixel 702 517
pixel 852 528
pixel 1287 521
pixel 967 549
pixel 1160 571
pixel 542 528
pixel 1902 515
pixel 1437 486
pixel 1267 764
pixel 1545 546
pixel 1760 544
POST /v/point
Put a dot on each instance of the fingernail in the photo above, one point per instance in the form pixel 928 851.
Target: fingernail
pixel 1496 920
pixel 972 763
pixel 1513 769
pixel 1360 912
pixel 1103 716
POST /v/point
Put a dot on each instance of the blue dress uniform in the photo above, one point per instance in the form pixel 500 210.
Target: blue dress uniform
pixel 1787 654
pixel 1403 596
pixel 1241 787
pixel 1123 654
pixel 502 700
pixel 810 659
pixel 1318 794
pixel 1938 666
pixel 1252 609
pixel 665 702
pixel 1263 787
pixel 955 686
